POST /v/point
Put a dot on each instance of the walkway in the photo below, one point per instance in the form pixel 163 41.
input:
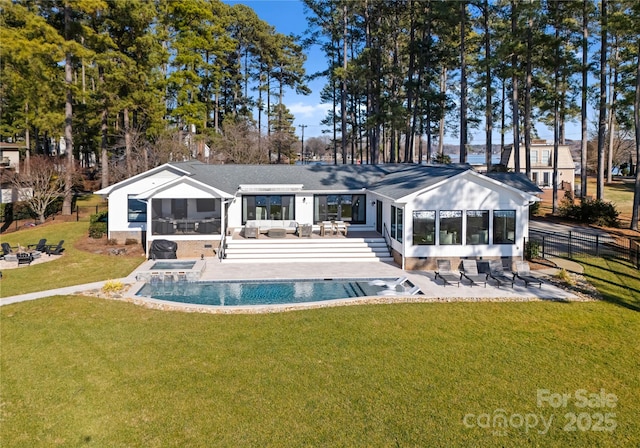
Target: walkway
pixel 432 290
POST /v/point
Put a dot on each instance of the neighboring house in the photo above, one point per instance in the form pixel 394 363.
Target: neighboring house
pixel 9 162
pixel 542 164
pixel 424 212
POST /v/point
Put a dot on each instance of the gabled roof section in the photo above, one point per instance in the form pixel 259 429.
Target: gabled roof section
pixel 167 166
pixel 182 181
pixel 408 179
pixel 519 181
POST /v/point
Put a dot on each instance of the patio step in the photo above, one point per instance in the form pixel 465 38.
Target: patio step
pixel 302 249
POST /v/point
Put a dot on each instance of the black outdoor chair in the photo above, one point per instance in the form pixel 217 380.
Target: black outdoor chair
pixel 523 272
pixel 470 272
pixel 55 249
pixel 446 274
pixel 497 274
pixel 6 249
pixel 40 247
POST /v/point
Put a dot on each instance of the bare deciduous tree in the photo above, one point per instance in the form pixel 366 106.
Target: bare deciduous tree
pixel 239 144
pixel 45 183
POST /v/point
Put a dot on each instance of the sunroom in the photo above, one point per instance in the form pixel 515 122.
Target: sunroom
pixel 184 207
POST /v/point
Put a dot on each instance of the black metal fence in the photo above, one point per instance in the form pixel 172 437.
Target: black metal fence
pixel 15 218
pixel 582 245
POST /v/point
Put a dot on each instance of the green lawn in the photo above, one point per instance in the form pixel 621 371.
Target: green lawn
pixel 81 371
pixel 73 268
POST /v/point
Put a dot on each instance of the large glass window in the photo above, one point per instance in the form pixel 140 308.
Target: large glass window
pixel 136 210
pixel 396 223
pixel 424 227
pixel 400 220
pixel 504 227
pixel 278 207
pixel 546 157
pixel 477 227
pixel 341 207
pixel 450 227
pixel 394 226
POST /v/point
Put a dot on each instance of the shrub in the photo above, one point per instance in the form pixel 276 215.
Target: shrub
pixel 443 159
pixel 112 242
pixel 532 250
pixel 564 276
pixel 534 209
pixel 591 212
pixel 130 241
pixel 98 224
pixel 113 286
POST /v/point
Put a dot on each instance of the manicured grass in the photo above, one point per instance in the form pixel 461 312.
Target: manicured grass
pixel 619 192
pixel 78 371
pixel 82 371
pixel 73 268
pixel 617 281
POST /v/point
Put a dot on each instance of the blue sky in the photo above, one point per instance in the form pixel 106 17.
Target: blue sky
pixel 288 17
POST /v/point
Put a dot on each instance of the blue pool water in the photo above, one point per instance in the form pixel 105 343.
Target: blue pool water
pixel 235 293
pixel 172 265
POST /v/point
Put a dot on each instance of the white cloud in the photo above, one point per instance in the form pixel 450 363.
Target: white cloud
pixel 315 112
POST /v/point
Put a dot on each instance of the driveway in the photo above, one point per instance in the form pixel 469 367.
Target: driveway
pixel 552 227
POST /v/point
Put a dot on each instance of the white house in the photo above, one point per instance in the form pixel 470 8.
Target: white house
pixel 424 212
pixel 541 161
pixel 9 162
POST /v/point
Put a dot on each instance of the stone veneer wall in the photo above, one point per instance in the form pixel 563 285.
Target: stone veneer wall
pixel 122 236
pixel 430 264
pixel 186 249
pixel 196 248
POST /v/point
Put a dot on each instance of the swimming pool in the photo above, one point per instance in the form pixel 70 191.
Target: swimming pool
pixel 172 265
pixel 261 292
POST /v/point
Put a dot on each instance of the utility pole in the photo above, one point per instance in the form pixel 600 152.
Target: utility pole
pixel 302 126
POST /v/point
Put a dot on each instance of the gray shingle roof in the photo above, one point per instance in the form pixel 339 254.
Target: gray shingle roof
pixel 391 180
pixel 519 181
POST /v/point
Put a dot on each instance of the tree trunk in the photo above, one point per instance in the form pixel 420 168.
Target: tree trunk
pixel 612 113
pixel 127 141
pixel 503 119
pixel 68 118
pixel 463 85
pixel 636 122
pixel 104 155
pixel 488 111
pixel 527 100
pixel 514 94
pixel 443 87
pixel 602 122
pixel 556 109
pixel 27 142
pixel 343 93
pixel 585 89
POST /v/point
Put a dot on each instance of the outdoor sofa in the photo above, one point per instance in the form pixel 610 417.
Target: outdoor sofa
pixel 264 225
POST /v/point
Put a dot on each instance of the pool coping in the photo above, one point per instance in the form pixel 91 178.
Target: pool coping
pixel 432 290
pixel 166 305
pixel 134 290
